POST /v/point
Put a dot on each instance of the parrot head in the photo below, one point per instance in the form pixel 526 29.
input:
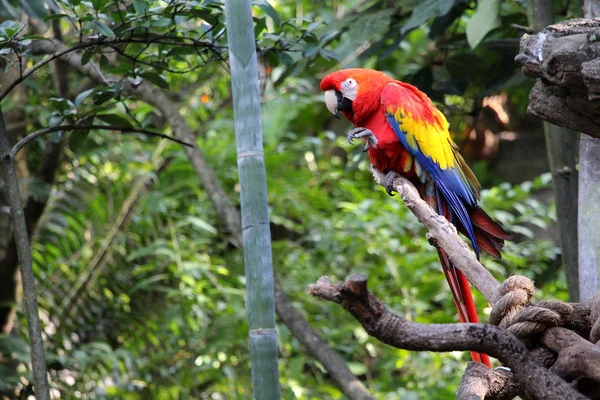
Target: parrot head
pixel 354 92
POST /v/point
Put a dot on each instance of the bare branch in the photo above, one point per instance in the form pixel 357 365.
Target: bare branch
pixel 577 358
pixel 11 188
pixel 389 328
pixel 479 383
pixel 443 234
pixel 21 143
pixel 40 64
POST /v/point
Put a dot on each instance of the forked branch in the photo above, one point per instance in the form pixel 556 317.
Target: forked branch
pixel 536 381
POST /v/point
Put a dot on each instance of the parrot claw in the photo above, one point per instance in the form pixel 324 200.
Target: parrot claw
pixel 367 134
pixel 389 182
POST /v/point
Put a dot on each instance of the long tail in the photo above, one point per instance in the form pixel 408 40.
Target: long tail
pixel 463 299
pixel 490 237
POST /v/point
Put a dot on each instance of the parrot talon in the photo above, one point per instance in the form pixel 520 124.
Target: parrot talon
pixel 367 134
pixel 389 183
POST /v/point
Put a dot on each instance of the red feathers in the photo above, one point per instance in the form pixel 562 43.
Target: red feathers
pixel 413 140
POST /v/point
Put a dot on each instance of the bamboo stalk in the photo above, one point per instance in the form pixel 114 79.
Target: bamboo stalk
pixel 11 188
pixel 253 191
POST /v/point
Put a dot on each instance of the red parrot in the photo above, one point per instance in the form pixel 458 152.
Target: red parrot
pixel 405 134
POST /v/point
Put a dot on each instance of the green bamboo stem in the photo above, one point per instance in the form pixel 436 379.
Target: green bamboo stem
pixel 561 147
pixel 253 191
pixel 11 188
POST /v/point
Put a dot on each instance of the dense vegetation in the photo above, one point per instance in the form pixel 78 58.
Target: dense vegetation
pixel 141 285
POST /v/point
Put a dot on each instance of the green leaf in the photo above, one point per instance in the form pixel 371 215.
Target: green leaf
pixel 485 19
pixel 82 96
pixel 140 6
pixel 201 224
pixel 269 10
pixel 425 11
pixel 327 36
pixel 99 4
pixel 149 282
pixel 155 78
pixel 85 58
pixel 357 368
pixel 102 29
pixel 78 136
pixel 114 120
pixel 285 58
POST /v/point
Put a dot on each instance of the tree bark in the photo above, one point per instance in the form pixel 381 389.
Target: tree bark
pixel 11 190
pixel 561 145
pixel 588 221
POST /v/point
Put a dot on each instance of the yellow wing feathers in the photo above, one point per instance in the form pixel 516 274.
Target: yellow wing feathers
pixel 432 137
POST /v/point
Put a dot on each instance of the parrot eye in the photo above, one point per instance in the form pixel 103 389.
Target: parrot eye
pixel 350 83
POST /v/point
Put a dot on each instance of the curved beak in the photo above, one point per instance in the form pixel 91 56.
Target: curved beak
pixel 331 101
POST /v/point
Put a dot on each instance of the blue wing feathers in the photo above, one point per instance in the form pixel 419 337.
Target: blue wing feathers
pixel 448 182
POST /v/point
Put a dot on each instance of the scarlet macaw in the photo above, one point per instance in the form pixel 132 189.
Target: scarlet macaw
pixel 405 134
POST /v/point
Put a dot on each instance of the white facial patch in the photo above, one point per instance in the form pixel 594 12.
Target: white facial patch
pixel 349 89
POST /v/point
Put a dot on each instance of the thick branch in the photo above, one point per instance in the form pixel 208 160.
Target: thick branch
pixel 577 358
pixel 389 328
pixel 479 383
pixel 565 58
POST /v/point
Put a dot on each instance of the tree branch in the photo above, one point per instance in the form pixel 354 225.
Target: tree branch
pixel 479 383
pixel 565 59
pixel 48 130
pixel 389 328
pixel 443 234
pixel 11 188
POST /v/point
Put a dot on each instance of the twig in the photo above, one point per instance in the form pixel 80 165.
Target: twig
pixel 46 131
pixel 389 328
pixel 11 188
pixel 83 45
pixel 40 64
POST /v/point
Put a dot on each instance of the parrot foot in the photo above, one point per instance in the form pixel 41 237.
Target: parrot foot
pixel 389 182
pixel 370 138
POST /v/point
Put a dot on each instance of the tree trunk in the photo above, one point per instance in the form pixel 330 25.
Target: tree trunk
pixel 561 145
pixel 588 221
pixel 255 209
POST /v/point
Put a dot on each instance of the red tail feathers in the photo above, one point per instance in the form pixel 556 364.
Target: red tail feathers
pixel 463 299
pixel 490 237
pixel 489 234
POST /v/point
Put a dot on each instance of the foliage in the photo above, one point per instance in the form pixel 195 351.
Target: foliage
pixel 164 316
